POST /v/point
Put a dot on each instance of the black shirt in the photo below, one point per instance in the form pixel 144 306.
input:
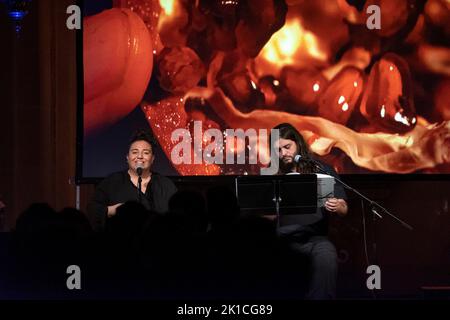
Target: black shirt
pixel 118 188
pixel 304 226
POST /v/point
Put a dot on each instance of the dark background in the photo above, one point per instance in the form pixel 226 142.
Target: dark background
pixel 38 161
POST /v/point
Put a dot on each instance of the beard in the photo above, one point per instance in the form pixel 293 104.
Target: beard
pixel 286 167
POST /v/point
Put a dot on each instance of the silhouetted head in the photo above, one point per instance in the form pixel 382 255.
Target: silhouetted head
pixel 222 205
pixel 75 220
pixel 39 217
pixel 188 208
pixel 130 218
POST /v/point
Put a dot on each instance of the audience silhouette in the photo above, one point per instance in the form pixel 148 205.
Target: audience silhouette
pixel 203 247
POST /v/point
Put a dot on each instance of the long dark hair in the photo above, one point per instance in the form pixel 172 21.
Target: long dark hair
pixel 287 131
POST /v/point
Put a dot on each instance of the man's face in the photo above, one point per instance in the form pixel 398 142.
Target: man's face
pixel 287 150
pixel 141 154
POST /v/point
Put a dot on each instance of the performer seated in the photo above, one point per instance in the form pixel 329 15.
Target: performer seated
pixel 309 238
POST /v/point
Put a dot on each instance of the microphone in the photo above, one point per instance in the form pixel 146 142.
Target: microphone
pixel 139 169
pixel 299 158
pixel 139 172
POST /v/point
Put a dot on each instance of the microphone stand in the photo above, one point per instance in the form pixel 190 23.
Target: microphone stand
pixel 139 189
pixel 375 207
pixel 277 201
pixel 139 172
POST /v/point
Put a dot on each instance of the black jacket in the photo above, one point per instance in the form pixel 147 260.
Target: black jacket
pixel 118 188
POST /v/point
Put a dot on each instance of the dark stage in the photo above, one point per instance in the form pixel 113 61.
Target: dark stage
pixel 370 101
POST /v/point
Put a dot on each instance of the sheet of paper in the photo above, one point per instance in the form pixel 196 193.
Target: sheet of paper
pixel 325 188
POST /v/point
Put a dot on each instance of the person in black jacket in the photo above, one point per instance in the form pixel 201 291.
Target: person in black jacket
pixel 307 234
pixel 121 187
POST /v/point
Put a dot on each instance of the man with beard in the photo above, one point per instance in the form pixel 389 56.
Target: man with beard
pixel 307 234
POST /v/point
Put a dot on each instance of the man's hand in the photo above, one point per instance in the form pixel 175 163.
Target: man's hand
pixel 338 206
pixel 112 209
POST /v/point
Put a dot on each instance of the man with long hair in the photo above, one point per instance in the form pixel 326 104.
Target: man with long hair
pixel 308 234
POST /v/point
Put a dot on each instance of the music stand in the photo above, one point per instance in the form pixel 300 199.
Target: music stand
pixel 282 194
pixel 256 194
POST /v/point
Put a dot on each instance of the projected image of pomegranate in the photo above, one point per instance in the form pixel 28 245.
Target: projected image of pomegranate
pixel 367 101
